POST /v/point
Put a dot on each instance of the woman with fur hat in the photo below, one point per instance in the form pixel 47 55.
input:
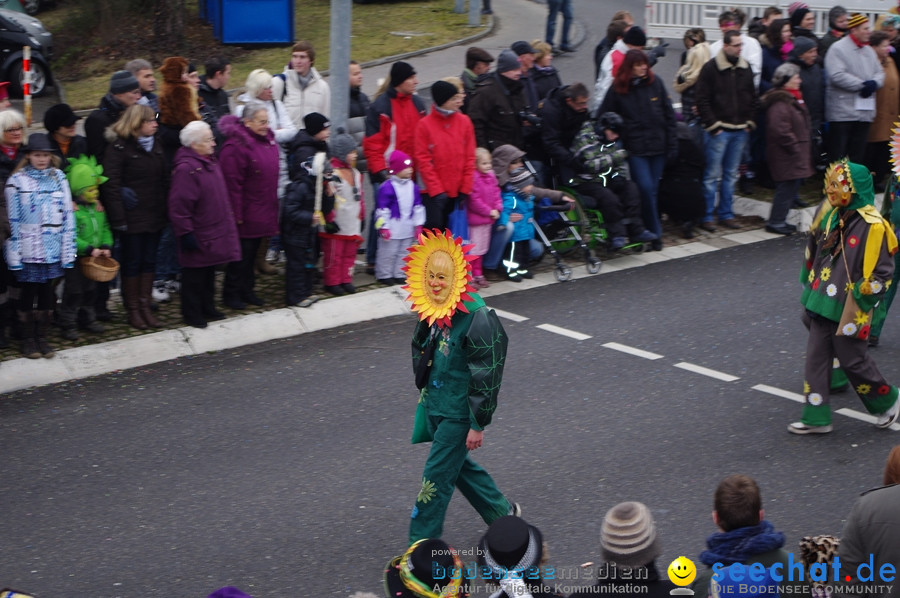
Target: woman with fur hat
pixel 788 141
pixel 135 202
pixel 249 161
pixel 343 225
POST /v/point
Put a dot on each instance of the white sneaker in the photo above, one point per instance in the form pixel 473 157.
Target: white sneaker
pixel 890 416
pixel 159 292
pixel 801 428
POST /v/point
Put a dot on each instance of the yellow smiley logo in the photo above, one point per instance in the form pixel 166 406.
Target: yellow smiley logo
pixel 682 571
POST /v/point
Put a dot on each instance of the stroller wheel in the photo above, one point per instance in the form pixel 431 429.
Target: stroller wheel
pixel 562 273
pixel 593 266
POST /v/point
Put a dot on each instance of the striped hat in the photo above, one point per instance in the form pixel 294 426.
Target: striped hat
pixel 856 19
pixel 628 535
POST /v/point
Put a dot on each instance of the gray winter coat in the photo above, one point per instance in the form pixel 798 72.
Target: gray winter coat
pixel 847 67
pixel 872 529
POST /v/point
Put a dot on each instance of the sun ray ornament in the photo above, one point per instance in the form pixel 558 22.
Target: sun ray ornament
pixel 438 276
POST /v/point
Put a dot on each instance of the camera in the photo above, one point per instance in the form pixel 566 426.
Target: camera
pixel 531 117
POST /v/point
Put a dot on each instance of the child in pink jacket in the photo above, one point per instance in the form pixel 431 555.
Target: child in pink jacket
pixel 484 206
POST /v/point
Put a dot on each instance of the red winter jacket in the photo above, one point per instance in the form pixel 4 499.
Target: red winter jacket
pixel 391 115
pixel 445 153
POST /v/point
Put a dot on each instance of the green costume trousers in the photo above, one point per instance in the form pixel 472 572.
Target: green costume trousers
pixel 449 466
pixel 821 349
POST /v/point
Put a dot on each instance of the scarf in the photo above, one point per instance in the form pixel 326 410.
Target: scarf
pixel 786 48
pixel 858 43
pixel 741 544
pixel 146 142
pixel 304 80
pixel 798 95
pixel 10 151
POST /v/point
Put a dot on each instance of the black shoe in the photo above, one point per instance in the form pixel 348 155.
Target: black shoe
pixel 234 304
pixel 745 185
pixel 780 229
pixel 198 323
pixel 513 277
pixel 386 281
pixel 70 334
pixel 104 315
pixel 400 281
pixel 348 286
pixel 214 316
pixel 94 327
pixel 566 49
pixel 873 340
pixel 525 274
pixel 799 203
pixel 370 269
pixel 336 290
pixel 656 245
pixel 708 227
pixel 252 299
pixel 687 230
pixel 730 223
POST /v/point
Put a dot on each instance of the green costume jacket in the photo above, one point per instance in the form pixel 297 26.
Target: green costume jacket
pixel 91 229
pixel 467 364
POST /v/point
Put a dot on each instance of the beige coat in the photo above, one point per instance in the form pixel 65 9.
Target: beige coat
pixel 697 56
pixel 887 104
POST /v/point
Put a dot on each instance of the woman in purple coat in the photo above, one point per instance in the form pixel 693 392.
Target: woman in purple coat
pixel 203 222
pixel 249 160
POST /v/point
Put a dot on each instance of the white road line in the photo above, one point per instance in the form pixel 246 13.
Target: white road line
pixel 779 392
pixel 863 417
pixel 632 351
pixel 699 369
pixel 510 315
pixel 565 332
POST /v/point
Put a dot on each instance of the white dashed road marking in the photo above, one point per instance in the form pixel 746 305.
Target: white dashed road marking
pixel 699 369
pixel 779 392
pixel 564 332
pixel 510 316
pixel 632 351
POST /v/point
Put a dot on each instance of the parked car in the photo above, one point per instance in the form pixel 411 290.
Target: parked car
pixel 16 31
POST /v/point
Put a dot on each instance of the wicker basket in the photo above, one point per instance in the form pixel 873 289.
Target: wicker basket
pixel 101 268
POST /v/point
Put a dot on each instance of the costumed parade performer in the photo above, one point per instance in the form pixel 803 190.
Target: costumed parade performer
pixel 848 268
pixel 459 348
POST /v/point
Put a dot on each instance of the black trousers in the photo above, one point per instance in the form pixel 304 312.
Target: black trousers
pixel 437 211
pixel 299 272
pixel 240 279
pixel 848 139
pixel 621 209
pixel 198 287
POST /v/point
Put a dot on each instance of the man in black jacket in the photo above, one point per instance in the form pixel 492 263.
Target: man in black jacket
pixel 124 91
pixel 212 92
pixel 498 104
pixel 726 102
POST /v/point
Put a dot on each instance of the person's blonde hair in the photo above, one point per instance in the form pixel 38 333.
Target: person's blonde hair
pixel 456 82
pixel 541 49
pixel 257 82
pixel 481 152
pixel 129 124
pixel 55 161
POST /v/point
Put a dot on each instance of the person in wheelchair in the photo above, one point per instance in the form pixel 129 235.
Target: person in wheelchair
pixel 602 180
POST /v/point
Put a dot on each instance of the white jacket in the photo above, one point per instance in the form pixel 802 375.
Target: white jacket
pixel 298 101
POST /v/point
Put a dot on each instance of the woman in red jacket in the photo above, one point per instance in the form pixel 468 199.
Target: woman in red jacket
pixel 445 154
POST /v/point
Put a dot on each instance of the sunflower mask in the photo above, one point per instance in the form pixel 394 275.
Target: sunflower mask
pixel 438 273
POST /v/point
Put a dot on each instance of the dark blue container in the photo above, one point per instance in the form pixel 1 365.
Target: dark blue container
pixel 257 21
pixel 213 15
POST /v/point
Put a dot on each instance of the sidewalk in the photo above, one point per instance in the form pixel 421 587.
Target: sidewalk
pixel 123 347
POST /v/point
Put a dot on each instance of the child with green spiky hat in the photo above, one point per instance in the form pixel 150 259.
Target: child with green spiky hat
pixel 93 237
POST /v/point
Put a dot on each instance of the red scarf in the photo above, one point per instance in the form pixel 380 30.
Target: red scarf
pixel 11 152
pixel 796 93
pixel 858 43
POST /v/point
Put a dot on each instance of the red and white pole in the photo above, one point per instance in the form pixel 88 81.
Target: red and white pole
pixel 26 82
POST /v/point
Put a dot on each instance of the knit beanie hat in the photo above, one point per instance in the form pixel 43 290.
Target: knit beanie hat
pixel 635 37
pixel 399 161
pixel 856 20
pixel 121 82
pixel 441 91
pixel 802 45
pixel 797 16
pixel 628 535
pixel 521 178
pixel 314 123
pixel 784 73
pixel 58 116
pixel 400 72
pixel 795 6
pixel 508 61
pixel 342 144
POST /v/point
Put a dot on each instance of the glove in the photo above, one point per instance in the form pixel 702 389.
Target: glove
pixel 619 156
pixel 680 79
pixel 130 198
pixel 462 198
pixel 660 50
pixel 332 228
pixel 385 233
pixel 189 242
pixel 868 88
pixel 380 176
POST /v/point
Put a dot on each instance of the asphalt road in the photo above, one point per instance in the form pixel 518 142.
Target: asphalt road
pixel 285 468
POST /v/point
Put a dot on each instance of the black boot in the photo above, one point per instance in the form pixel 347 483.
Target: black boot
pixel 42 325
pixel 30 347
pixel 4 318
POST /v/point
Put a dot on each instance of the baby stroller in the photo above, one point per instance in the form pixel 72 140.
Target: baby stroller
pixel 681 187
pixel 557 230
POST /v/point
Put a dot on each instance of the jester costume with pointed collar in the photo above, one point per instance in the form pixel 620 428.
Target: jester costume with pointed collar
pixel 458 349
pixel 849 252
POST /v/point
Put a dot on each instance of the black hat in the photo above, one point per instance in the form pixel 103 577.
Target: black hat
pixel 58 116
pixel 425 564
pixel 441 91
pixel 802 45
pixel 38 142
pixel 476 54
pixel 508 61
pixel 635 37
pixel 512 544
pixel 522 47
pixel 400 72
pixel 121 82
pixel 315 122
